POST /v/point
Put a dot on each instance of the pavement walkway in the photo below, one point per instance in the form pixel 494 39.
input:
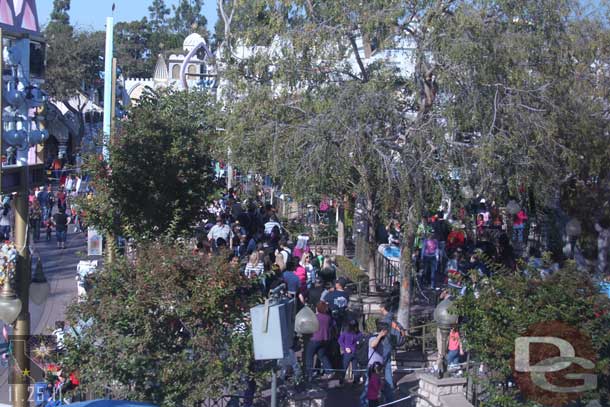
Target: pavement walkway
pixel 59 266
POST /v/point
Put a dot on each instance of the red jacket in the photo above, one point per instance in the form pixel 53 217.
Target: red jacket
pixel 455 239
pixel 301 273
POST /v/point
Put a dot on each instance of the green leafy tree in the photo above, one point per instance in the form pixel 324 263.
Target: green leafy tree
pixel 188 17
pixel 159 15
pixel 60 19
pixel 73 66
pixel 159 173
pixel 509 303
pixel 335 120
pixel 168 327
pixel 162 37
pixel 133 53
pixel 526 82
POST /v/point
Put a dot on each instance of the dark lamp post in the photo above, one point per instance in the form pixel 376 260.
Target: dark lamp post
pixel 444 320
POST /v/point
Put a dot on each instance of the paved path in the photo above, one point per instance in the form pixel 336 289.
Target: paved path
pixel 59 266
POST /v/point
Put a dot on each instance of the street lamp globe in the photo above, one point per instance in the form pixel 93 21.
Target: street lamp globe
pixel 573 228
pixel 444 320
pixel 513 207
pixel 467 192
pixel 442 315
pixel 10 304
pixel 39 287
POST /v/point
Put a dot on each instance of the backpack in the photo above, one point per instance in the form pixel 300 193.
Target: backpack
pixel 338 314
pixel 430 247
pixel 362 349
pixel 396 338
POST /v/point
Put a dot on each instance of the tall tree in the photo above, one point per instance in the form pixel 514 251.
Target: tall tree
pixel 60 19
pixel 159 173
pixel 537 105
pixel 133 53
pixel 326 118
pixel 188 17
pixel 73 66
pixel 159 15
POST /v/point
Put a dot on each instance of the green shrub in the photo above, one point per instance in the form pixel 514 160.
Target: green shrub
pixel 347 269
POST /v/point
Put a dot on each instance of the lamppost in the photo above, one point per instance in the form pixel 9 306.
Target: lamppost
pixel 573 230
pixel 444 320
pixel 467 192
pixel 10 304
pixel 513 207
pixel 21 127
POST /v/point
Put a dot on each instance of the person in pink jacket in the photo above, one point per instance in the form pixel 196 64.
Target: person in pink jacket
pixel 301 273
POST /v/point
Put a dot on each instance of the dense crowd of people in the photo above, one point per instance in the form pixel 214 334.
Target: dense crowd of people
pixel 252 235
pixel 51 209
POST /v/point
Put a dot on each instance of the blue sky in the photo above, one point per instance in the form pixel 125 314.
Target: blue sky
pixel 91 14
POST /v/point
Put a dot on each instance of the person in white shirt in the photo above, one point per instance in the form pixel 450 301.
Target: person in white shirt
pixel 59 333
pixel 219 231
pixel 270 225
pixel 5 222
pixel 255 266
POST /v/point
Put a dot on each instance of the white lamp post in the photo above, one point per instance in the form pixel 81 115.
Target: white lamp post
pixel 573 230
pixel 513 207
pixel 467 192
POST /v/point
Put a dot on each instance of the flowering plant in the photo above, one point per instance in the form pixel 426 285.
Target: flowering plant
pixel 8 261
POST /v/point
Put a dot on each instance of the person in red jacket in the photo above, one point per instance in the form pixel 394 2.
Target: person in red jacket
pixel 456 238
pixel 519 225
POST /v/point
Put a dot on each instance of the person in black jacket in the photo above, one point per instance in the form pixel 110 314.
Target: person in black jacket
pixel 61 228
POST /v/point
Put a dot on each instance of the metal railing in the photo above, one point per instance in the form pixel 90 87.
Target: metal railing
pixel 386 271
pixel 425 335
pixel 231 400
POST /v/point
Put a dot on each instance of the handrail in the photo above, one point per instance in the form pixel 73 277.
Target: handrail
pixel 386 271
pixel 428 331
pixel 324 241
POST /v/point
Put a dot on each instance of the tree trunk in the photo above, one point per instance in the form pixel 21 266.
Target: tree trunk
pixel 406 274
pixel 340 230
pixel 110 248
pixel 371 246
pixel 78 113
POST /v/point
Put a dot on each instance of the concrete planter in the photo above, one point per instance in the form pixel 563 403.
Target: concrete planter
pixel 447 392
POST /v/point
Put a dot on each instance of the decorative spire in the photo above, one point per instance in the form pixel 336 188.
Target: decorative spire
pixel 161 72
